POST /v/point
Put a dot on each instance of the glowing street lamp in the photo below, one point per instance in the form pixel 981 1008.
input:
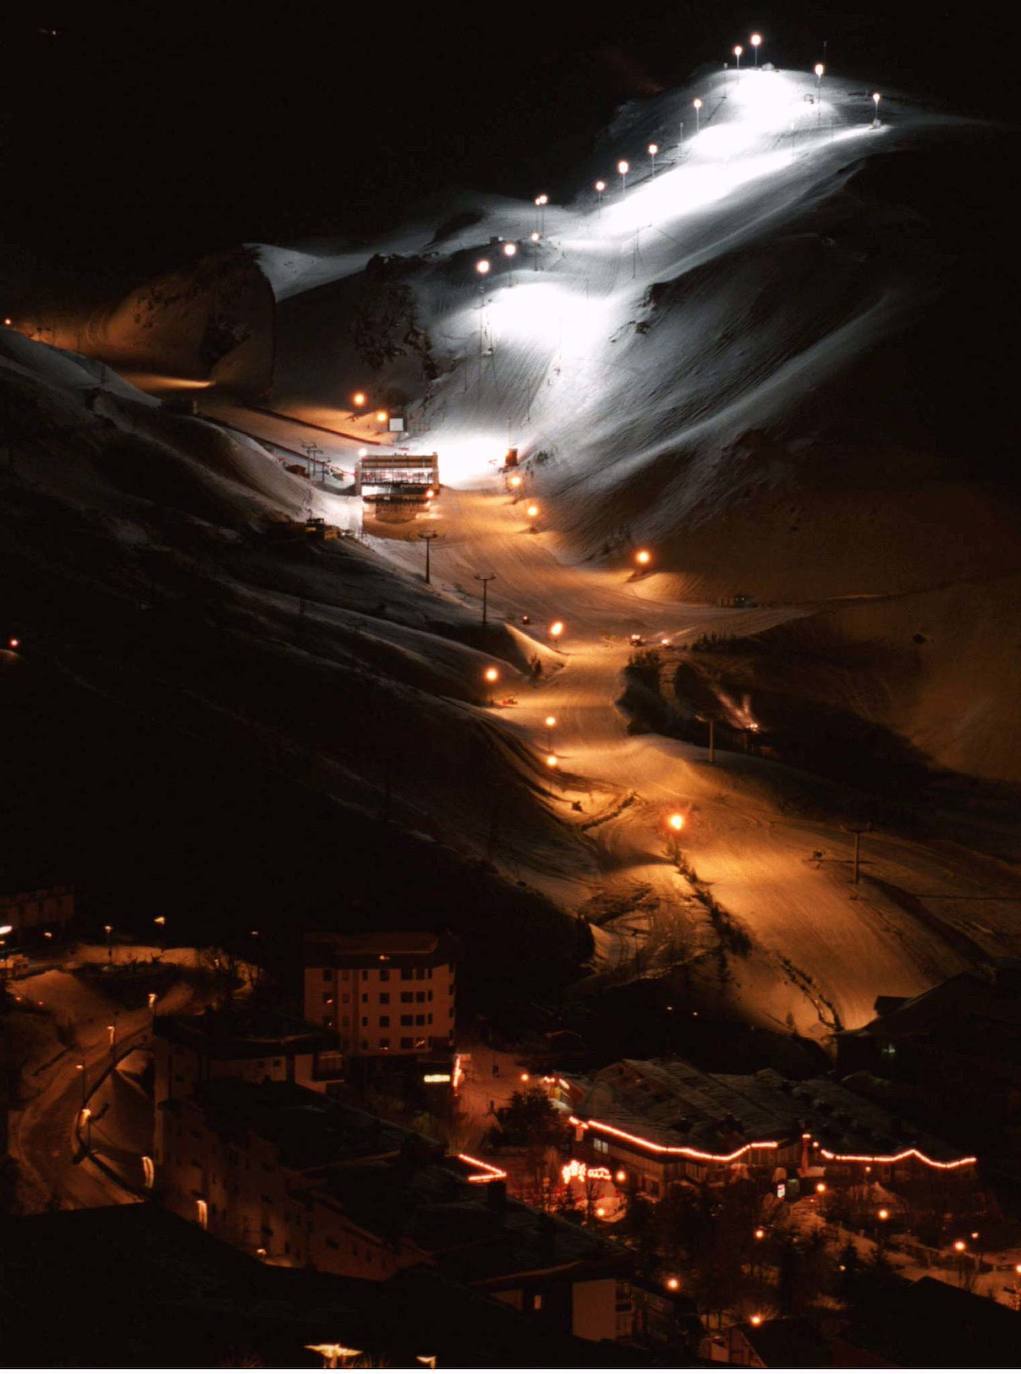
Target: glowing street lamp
pixel 675 824
pixel 755 41
pixel 756 1319
pixel 491 676
pixel 622 170
pixel 482 267
pixel 541 203
pixel 551 725
pixel 381 417
pixel 673 1284
pixel 819 70
pixel 161 922
pixel 552 761
pixel 600 190
pixel 643 558
pixel 697 102
pixel 875 100
pixel 109 944
pixel 653 150
pixel 738 50
pixel 532 511
pixel 359 399
pixel 760 1233
pixel 883 1214
pixel 960 1246
pixel 556 629
pixel 510 250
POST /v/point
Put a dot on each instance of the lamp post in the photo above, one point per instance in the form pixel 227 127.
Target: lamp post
pixel 738 50
pixel 109 944
pixel 755 41
pixel 551 725
pixel 675 822
pixel 490 577
pixel 875 101
pixel 697 102
pixel 653 150
pixel 541 203
pixel 482 267
pixel 491 677
pixel 643 559
pixel 622 170
pixel 532 512
pixel 600 191
pixel 161 923
pixel 80 1068
pixel 428 536
pixel 556 630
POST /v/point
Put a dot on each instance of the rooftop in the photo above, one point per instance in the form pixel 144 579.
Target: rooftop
pixel 968 1013
pixel 380 946
pixel 243 1033
pixel 668 1103
pixel 309 1129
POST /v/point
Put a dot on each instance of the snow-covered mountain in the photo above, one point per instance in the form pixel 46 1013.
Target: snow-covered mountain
pixel 744 353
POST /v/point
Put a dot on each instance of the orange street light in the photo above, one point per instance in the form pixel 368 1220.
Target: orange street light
pixel 381 417
pixel 643 558
pixel 820 1187
pixel 675 822
pixel 960 1246
pixel 621 1176
pixel 532 511
pixel 359 398
pixel 760 1233
pixel 551 724
pixel 552 761
pixel 883 1214
pixel 514 481
pixel 491 674
pixel 556 629
pixel 756 1319
pixel 673 1284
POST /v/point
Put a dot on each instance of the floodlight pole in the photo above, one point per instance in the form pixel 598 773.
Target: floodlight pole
pixel 428 536
pixel 491 577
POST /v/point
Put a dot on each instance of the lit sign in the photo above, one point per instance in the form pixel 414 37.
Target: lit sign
pixel 578 1169
pixel 436 1078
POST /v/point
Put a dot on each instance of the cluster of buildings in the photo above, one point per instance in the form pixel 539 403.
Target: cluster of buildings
pixel 642 1125
pixel 254 1146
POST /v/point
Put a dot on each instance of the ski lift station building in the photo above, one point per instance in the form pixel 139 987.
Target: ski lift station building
pixel 396 477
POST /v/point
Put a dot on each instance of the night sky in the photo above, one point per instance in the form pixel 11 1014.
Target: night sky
pixel 142 135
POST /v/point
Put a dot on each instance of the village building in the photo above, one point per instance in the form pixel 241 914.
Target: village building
pixel 958 1045
pixel 645 1124
pixel 37 908
pixel 235 1042
pixel 299 1180
pixel 384 994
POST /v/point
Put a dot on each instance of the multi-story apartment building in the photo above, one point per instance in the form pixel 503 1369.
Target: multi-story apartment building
pixel 383 994
pixel 300 1180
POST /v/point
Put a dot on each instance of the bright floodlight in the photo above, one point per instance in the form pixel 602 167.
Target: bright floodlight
pixel 623 167
pixel 482 266
pixel 509 249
